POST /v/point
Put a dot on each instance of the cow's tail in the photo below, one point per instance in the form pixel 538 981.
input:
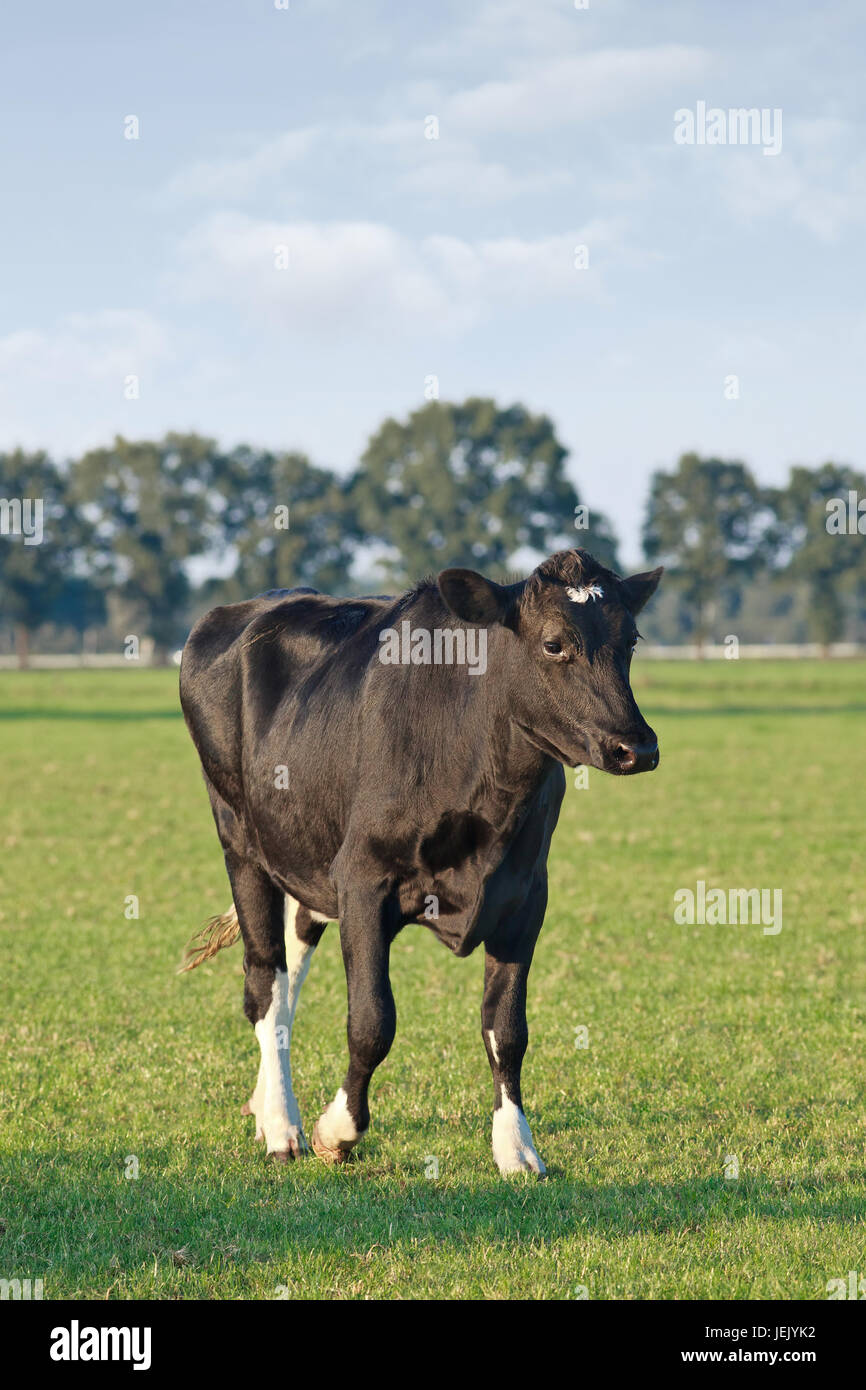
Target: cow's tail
pixel 220 931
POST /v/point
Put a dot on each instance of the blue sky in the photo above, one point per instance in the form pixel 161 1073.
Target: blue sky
pixel 410 257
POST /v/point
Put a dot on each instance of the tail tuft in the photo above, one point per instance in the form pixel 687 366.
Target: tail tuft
pixel 220 931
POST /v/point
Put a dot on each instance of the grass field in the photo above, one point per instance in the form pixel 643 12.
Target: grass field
pixel 705 1042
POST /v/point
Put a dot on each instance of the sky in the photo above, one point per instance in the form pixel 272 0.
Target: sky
pixel 284 256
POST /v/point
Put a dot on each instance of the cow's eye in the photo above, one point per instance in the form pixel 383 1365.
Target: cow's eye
pixel 552 648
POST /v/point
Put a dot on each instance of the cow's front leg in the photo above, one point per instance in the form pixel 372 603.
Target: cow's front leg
pixel 503 1026
pixel 366 932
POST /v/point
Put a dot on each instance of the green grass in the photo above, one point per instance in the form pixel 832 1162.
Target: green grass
pixel 703 1041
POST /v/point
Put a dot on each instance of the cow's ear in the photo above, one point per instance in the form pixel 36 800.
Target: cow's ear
pixel 473 598
pixel 639 589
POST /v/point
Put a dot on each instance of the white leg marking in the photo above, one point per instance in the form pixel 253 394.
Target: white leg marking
pixel 336 1126
pixel 278 1119
pixel 513 1148
pixel 257 1099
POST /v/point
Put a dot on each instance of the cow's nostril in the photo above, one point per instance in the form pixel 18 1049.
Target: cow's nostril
pixel 638 757
pixel 625 756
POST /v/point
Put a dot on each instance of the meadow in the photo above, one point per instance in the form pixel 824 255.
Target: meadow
pixel 706 1142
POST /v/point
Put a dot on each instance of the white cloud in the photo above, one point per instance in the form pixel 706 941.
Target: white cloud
pixel 63 386
pixel 470 179
pixel 508 270
pixel 343 276
pixel 82 347
pixel 579 87
pixel 507 28
pixel 337 273
pixel 393 154
pixel 236 177
pixel 818 181
pixel 552 91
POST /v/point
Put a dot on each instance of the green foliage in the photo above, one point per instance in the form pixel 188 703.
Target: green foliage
pixel 814 548
pixel 160 530
pixel 33 575
pixel 154 507
pixel 288 521
pixel 468 485
pixel 79 604
pixel 708 523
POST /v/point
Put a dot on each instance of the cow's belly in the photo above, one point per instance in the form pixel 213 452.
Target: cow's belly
pixel 296 845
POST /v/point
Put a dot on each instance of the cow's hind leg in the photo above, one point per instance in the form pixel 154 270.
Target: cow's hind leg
pixel 274 1032
pixel 279 939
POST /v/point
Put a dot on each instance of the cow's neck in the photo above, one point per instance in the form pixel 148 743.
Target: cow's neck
pixel 508 776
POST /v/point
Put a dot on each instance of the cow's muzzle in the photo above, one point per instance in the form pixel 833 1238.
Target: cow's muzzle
pixel 635 757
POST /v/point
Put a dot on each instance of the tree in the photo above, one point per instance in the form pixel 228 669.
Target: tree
pixel 468 484
pixel 154 507
pixel 78 604
pixel 822 542
pixel 709 523
pixel 288 521
pixel 39 542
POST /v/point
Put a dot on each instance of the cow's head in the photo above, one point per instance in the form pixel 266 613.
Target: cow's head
pixel 574 622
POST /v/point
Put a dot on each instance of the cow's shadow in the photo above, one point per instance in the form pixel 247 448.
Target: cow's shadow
pixel 264 1212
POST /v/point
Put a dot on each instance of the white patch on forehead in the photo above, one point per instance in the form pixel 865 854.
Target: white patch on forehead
pixel 585 592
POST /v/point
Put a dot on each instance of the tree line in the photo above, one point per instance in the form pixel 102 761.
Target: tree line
pixel 141 536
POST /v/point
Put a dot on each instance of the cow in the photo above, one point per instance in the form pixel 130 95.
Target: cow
pixel 364 770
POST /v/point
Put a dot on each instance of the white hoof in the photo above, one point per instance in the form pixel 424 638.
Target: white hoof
pixel 513 1148
pixel 280 1134
pixel 335 1134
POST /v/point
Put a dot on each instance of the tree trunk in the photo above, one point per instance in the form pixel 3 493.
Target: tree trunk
pixel 22 646
pixel 706 614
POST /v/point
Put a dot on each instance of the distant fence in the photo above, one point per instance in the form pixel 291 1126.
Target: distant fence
pixel 786 651
pixel 78 661
pixel 747 651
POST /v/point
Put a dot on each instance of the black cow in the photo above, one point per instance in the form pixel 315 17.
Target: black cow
pixel 382 761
